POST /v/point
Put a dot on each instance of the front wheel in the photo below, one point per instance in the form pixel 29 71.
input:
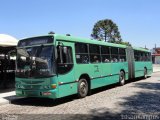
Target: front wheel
pixel 122 78
pixel 145 73
pixel 82 88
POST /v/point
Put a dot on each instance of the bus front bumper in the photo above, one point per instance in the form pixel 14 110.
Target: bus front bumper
pixel 37 93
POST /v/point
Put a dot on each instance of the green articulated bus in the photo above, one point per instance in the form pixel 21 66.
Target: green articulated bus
pixel 54 66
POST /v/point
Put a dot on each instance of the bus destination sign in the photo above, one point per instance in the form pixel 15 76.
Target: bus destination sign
pixel 35 41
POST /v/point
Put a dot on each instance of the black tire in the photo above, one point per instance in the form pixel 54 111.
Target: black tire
pixel 82 88
pixel 145 73
pixel 121 78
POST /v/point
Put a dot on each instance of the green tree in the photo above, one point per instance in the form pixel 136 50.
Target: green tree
pixel 123 43
pixel 106 30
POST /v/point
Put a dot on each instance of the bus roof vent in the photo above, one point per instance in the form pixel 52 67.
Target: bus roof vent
pixel 51 32
pixel 68 35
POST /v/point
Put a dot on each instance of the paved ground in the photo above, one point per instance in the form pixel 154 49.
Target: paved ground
pixel 140 98
pixel 156 67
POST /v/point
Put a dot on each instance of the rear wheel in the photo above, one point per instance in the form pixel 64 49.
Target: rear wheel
pixel 145 73
pixel 82 88
pixel 121 78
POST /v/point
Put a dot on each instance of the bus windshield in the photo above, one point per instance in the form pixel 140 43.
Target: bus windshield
pixel 35 62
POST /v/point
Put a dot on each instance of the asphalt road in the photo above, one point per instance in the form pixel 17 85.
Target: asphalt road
pixel 137 99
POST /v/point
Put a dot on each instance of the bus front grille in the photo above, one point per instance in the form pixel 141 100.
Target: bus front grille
pixel 35 87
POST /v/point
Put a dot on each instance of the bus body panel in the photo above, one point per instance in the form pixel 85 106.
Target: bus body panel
pixel 100 74
pixel 108 74
pixel 140 66
pixel 27 87
pixel 67 82
pixel 116 68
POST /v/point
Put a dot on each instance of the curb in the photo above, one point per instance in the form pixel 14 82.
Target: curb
pixel 4 101
pixel 156 71
pixel 7 98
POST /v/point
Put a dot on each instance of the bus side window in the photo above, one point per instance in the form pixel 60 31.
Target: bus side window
pixel 144 56
pixel 64 59
pixel 141 56
pixel 137 55
pixel 94 51
pixel 105 53
pixel 149 57
pixel 114 54
pixel 122 55
pixel 82 55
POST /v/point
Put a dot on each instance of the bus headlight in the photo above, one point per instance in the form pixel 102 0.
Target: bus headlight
pixel 19 86
pixel 53 86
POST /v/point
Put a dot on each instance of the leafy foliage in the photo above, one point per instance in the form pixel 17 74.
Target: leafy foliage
pixel 106 30
pixel 123 43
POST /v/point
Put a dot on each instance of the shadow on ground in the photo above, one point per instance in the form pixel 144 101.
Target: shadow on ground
pixel 143 105
pixel 44 102
pixel 50 102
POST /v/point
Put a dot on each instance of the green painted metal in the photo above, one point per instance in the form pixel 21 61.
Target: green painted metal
pixel 67 89
pixel 30 87
pixel 140 66
pixel 100 74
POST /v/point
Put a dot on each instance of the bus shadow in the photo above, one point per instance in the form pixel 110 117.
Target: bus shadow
pixel 136 79
pixel 143 104
pixel 51 102
pixel 100 89
pixel 148 86
pixel 44 102
pixel 104 88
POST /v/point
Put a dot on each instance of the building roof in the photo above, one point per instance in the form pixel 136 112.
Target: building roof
pixel 7 40
pixel 155 54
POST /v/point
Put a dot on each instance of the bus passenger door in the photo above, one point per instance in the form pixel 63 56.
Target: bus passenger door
pixel 65 69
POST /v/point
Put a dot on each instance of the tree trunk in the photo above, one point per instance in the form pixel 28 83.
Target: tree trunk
pixel 105 37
